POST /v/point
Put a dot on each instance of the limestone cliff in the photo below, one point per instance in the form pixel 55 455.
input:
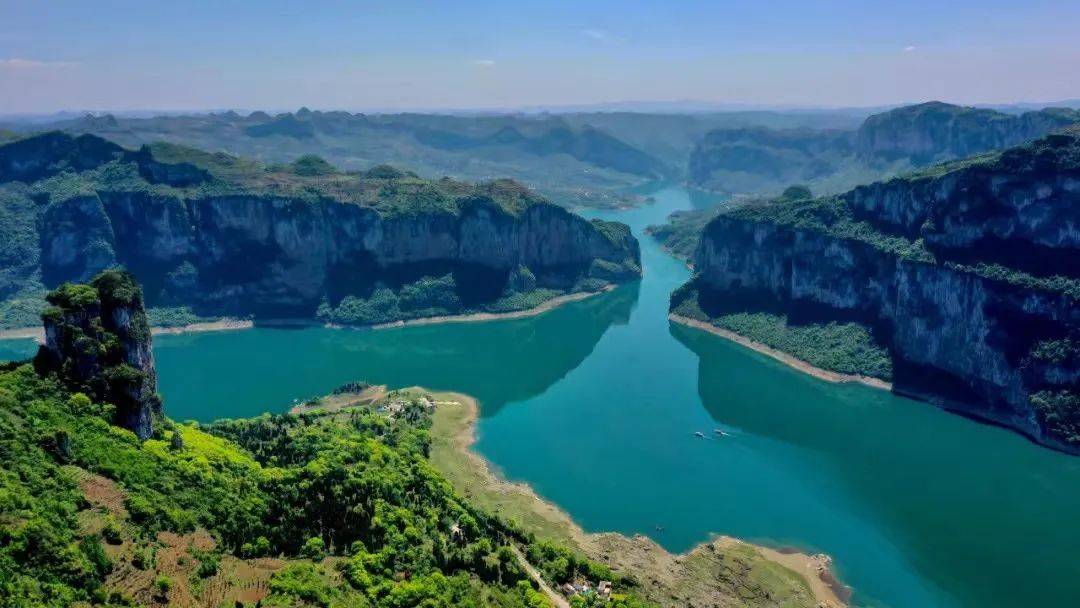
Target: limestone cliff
pixel 224 235
pixel 969 274
pixel 97 340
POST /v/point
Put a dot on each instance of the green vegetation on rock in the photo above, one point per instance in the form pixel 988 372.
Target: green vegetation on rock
pixel 681 233
pixel 97 341
pixel 1059 412
pixel 846 348
pixel 175 316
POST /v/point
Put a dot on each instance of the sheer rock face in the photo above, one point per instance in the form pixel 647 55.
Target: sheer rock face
pixel 97 340
pixel 242 253
pixel 984 343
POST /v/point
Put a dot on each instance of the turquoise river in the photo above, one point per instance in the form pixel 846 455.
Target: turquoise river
pixel 595 404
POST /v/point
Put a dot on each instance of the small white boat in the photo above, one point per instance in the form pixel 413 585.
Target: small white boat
pixel 720 432
pixel 699 434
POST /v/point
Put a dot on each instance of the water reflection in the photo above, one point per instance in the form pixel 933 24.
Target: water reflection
pixel 961 501
pixel 244 373
pixel 17 349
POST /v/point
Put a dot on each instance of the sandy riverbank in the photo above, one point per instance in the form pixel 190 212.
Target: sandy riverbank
pixel 723 572
pixel 222 325
pixel 18 333
pixel 785 358
pixel 38 333
pixel 497 316
pixel 475 317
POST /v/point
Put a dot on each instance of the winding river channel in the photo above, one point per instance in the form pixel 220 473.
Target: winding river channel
pixel 595 404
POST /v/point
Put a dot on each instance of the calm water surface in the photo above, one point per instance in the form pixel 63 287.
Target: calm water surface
pixel 596 403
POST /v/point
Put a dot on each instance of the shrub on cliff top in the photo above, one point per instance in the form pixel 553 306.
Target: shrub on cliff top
pixel 74 296
pixel 312 164
pixel 1059 412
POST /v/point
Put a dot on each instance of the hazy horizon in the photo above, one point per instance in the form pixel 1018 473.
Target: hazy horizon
pixel 657 106
pixel 125 56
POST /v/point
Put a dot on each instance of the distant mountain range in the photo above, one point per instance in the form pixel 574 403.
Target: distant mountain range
pixel 578 159
pixel 598 158
pixel 570 161
pixel 764 160
pixel 670 106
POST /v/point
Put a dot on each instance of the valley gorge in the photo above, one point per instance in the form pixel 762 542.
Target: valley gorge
pixel 539 305
pixel 596 404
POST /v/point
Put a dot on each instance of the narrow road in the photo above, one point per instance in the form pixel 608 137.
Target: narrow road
pixel 556 598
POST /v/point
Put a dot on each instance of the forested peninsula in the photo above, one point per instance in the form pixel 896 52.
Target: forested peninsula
pixel 105 500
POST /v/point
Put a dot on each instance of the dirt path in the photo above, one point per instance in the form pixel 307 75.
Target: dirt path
pixel 782 357
pixel 556 598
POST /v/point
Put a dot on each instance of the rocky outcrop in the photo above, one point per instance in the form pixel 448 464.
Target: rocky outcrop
pixel 97 340
pixel 271 254
pixel 242 247
pixel 969 274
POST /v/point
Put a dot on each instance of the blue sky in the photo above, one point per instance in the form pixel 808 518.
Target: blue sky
pixel 57 55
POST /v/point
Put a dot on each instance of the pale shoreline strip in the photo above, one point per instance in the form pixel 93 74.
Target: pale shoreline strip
pixel 494 316
pixel 38 333
pixel 785 358
pixel 816 570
